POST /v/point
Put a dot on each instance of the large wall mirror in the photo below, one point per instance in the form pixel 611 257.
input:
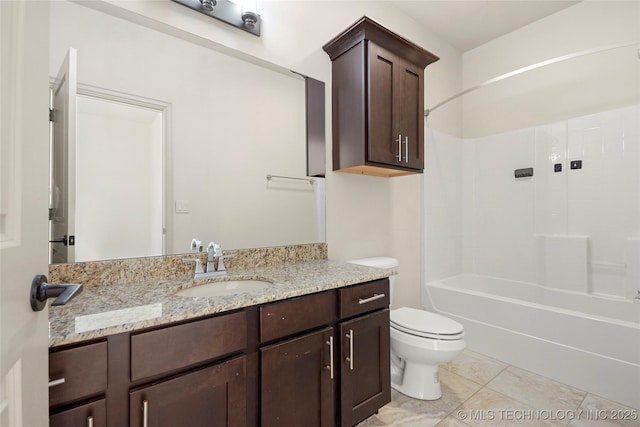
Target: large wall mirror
pixel 175 141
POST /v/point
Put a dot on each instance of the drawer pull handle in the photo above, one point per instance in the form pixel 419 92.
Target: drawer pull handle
pixel 145 413
pixel 399 141
pixel 373 298
pixel 350 358
pixel 56 382
pixel 90 422
pixel 330 343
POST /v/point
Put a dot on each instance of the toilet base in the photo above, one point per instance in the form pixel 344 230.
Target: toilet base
pixel 420 382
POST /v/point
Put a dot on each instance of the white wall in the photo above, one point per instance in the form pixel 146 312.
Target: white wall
pixel 366 216
pixel 572 88
pixel 120 216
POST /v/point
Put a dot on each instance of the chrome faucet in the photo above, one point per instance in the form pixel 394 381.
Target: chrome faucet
pixel 215 263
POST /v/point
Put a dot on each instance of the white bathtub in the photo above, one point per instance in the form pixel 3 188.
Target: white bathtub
pixel 589 342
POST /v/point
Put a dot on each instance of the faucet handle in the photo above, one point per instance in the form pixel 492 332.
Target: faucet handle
pixel 198 264
pixel 217 249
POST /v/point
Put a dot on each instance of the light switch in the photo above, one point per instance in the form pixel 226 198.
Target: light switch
pixel 182 206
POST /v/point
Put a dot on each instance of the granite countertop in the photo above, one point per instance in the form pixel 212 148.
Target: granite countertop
pixel 102 310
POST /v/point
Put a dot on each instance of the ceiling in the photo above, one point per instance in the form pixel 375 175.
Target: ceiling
pixel 467 24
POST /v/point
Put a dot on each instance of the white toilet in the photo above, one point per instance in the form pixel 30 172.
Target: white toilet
pixel 420 340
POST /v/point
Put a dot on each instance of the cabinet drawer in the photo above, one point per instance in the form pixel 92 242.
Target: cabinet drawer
pixel 84 370
pixel 284 318
pixel 358 299
pixel 164 350
pixel 92 414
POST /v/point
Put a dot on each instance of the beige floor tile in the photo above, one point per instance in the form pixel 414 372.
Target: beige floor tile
pixel 406 412
pixel 598 412
pixel 476 367
pixel 490 408
pixel 536 391
pixel 455 390
pixel 452 422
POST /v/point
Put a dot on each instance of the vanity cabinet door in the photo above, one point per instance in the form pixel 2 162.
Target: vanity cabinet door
pixel 90 415
pixel 213 396
pixel 364 367
pixel 298 381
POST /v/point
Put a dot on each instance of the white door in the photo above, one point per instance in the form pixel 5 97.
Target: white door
pixel 63 174
pixel 24 183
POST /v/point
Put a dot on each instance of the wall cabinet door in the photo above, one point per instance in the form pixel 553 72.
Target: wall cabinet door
pixel 364 367
pixel 298 381
pixel 213 396
pixel 396 110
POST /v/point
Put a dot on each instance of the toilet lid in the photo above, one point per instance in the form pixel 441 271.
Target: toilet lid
pixel 425 324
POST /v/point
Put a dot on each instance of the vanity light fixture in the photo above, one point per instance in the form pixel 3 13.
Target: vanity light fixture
pixel 241 15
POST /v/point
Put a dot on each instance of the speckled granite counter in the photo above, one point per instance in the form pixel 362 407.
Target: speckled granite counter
pixel 104 310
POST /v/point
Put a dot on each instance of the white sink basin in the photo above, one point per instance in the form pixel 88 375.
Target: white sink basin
pixel 226 287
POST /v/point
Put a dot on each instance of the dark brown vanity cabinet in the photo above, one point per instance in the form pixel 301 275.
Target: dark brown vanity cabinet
pixel 212 396
pixel 77 385
pixel 365 381
pixel 297 361
pixel 298 381
pixel 335 374
pixel 320 359
pixel 378 101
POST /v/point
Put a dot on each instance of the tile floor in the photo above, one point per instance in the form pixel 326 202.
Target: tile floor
pixel 480 391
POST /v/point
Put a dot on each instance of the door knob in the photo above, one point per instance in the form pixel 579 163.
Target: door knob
pixel 71 240
pixel 41 291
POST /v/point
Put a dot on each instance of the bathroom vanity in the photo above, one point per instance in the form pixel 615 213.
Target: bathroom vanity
pixel 312 350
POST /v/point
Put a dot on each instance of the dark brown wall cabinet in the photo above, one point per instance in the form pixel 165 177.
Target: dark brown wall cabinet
pixel 316 360
pixel 378 101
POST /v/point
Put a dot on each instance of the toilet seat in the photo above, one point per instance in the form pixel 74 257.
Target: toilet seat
pixel 425 324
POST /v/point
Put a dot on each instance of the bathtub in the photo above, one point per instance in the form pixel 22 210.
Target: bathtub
pixel 589 342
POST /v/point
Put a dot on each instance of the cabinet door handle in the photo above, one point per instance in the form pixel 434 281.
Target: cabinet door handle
pixel 330 343
pixel 350 358
pixel 54 383
pixel 90 422
pixel 406 149
pixel 145 413
pixel 373 298
pixel 399 141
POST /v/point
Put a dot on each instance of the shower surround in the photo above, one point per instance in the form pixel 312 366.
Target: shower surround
pixel 572 227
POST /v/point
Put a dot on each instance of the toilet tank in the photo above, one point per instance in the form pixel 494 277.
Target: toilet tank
pixel 380 262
